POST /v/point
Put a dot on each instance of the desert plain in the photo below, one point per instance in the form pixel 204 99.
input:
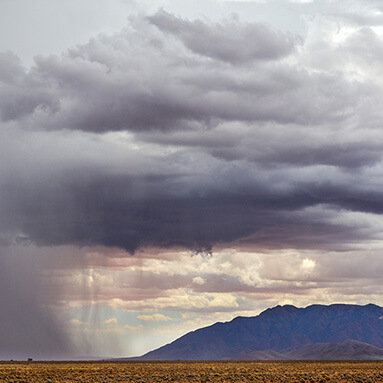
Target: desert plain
pixel 230 371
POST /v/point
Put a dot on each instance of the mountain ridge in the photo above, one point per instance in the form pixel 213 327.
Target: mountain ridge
pixel 277 329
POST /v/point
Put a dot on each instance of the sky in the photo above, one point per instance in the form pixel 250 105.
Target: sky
pixel 168 164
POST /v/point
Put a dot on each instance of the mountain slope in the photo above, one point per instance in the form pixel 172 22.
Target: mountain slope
pixel 277 329
pixel 349 349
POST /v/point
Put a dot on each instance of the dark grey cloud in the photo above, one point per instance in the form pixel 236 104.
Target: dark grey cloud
pixel 192 209
pixel 229 41
pixel 149 138
pixel 21 94
pixel 275 145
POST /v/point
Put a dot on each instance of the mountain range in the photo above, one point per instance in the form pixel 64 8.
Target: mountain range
pixel 338 331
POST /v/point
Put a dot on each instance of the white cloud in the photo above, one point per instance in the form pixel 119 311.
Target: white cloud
pixel 199 280
pixel 112 320
pixel 77 322
pixel 154 318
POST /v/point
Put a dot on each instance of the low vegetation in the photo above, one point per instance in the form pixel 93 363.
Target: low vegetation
pixel 145 372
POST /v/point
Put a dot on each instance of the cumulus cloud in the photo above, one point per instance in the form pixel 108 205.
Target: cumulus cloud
pixel 235 281
pixel 154 318
pixel 112 321
pixel 199 280
pixel 77 322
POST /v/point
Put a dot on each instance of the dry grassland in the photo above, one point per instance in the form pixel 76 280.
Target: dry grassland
pixel 143 372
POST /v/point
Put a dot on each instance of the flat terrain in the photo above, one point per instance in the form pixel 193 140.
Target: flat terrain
pixel 143 372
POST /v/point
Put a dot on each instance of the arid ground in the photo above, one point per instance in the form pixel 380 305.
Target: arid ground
pixel 143 372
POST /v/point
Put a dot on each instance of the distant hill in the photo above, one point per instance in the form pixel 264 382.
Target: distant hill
pixel 263 355
pixel 347 350
pixel 280 333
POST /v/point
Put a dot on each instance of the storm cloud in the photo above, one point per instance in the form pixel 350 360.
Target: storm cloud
pixel 173 133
